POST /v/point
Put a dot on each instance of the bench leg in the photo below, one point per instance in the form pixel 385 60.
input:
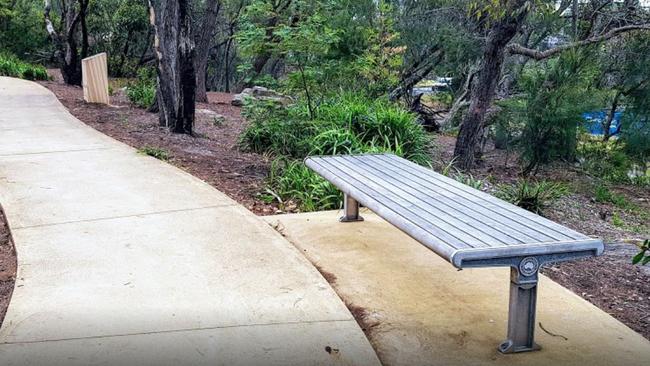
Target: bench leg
pixel 351 210
pixel 523 302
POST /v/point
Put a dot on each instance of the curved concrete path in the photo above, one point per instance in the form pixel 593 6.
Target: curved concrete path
pixel 125 260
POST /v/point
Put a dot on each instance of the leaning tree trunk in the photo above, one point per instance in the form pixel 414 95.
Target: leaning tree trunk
pixel 607 126
pixel 203 47
pixel 484 87
pixel 174 48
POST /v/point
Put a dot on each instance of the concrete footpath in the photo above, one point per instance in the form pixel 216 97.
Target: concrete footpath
pixel 125 260
pixel 420 310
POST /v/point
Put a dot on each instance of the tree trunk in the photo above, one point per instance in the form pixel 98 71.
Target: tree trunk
pixel 607 125
pixel 262 58
pixel 66 43
pixel 71 67
pixel 227 66
pixel 265 55
pixel 483 90
pixel 125 52
pixel 203 47
pixel 83 4
pixel 174 48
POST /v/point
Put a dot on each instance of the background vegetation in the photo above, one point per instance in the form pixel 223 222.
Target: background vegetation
pixel 522 74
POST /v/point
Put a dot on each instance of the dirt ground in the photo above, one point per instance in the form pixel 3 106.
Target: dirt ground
pixel 7 266
pixel 610 282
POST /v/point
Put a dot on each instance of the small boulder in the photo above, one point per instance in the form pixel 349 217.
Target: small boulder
pixel 214 117
pixel 260 93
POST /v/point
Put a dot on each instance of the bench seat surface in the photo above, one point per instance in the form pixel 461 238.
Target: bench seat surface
pixel 459 223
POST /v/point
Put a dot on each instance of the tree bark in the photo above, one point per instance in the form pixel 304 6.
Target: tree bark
pixel 83 4
pixel 483 90
pixel 125 52
pixel 66 44
pixel 174 49
pixel 204 39
pixel 607 125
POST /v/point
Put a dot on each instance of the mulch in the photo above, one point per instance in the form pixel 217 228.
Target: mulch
pixel 610 282
pixel 7 266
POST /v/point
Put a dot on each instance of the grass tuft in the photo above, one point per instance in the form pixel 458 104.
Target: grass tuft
pixel 531 195
pixel 158 153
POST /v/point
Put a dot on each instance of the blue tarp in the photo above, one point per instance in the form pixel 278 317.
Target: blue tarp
pixel 594 122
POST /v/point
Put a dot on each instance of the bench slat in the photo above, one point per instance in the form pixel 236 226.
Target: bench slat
pixel 399 209
pixel 456 221
pixel 513 229
pixel 432 205
pixel 487 209
pixel 500 206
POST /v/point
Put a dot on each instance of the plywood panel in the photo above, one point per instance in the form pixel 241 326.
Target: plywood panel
pixel 95 79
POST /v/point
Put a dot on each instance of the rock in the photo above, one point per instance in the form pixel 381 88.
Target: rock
pixel 260 93
pixel 214 116
pixel 207 112
pixel 238 99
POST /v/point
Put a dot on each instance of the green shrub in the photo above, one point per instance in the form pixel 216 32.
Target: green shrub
pixel 336 141
pixel 142 92
pixel 292 180
pixel 531 195
pixel 636 135
pixel 617 220
pixel 393 129
pixel 276 130
pixel 376 125
pixel 158 153
pixel 643 257
pixel 11 66
pixel 604 195
pixel 469 180
pixel 552 108
pixel 346 124
pixel 611 162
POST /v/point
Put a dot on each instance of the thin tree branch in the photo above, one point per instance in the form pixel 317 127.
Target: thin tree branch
pixel 517 49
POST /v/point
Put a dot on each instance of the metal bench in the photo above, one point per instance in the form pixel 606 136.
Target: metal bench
pixel 463 225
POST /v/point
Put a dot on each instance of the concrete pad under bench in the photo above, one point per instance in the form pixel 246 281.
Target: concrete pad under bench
pixel 419 310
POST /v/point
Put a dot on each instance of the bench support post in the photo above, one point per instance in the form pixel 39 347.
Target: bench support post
pixel 523 303
pixel 351 210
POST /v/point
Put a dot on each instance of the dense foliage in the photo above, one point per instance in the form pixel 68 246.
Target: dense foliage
pixel 354 69
pixel 142 91
pixel 345 124
pixel 12 66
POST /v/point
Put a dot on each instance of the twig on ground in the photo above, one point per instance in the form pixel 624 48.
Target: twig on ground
pixel 552 334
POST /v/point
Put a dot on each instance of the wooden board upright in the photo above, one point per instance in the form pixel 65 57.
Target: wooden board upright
pixel 94 72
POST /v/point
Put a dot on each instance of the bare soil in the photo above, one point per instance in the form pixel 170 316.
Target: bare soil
pixel 7 266
pixel 610 282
